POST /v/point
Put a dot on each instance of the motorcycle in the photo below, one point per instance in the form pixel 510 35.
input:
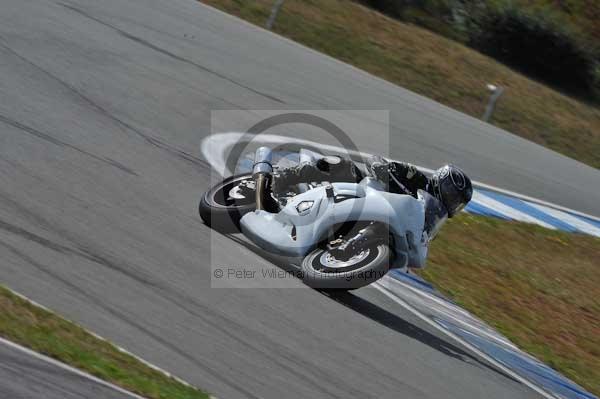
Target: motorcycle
pixel 348 235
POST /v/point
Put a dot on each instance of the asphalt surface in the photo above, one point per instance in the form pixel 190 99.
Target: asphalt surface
pixel 103 108
pixel 25 377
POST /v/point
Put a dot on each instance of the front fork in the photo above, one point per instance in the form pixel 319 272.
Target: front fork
pixel 262 172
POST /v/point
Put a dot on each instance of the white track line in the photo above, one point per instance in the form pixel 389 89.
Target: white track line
pixel 120 349
pixel 215 146
pixel 464 343
pixel 64 366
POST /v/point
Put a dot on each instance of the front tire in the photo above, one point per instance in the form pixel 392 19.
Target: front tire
pixel 220 211
pixel 321 271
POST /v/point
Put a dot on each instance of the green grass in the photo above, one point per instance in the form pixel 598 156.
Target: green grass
pixel 538 287
pixel 434 66
pixel 582 16
pixel 578 16
pixel 45 332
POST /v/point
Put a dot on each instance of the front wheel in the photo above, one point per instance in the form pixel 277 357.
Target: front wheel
pixel 321 270
pixel 223 206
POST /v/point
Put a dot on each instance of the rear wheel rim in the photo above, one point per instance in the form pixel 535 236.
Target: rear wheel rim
pixel 229 195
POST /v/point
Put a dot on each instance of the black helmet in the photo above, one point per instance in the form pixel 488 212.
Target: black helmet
pixel 452 187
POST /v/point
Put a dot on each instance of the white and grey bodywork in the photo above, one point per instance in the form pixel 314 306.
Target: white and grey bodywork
pixel 307 219
pixel 348 235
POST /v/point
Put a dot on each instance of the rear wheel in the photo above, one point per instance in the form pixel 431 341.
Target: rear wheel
pixel 322 270
pixel 223 206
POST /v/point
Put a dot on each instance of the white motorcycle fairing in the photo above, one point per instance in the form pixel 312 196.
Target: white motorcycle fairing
pixel 308 218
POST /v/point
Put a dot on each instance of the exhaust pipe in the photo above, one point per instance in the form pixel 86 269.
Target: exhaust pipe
pixel 262 172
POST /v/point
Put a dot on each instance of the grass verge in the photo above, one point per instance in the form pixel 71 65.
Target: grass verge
pixel 538 287
pixel 45 332
pixel 435 67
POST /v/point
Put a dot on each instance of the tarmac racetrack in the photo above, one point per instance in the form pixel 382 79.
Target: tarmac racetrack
pixel 103 106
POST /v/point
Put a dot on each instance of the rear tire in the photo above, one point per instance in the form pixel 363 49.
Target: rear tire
pixel 221 212
pixel 317 273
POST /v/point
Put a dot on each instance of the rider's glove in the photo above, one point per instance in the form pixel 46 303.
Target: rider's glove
pixel 378 167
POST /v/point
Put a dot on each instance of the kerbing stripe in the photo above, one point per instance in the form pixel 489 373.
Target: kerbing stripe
pixel 532 211
pixel 478 208
pixel 509 212
pixel 390 294
pixel 584 226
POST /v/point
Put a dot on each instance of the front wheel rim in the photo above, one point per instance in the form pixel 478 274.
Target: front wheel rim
pixel 330 262
pixel 326 263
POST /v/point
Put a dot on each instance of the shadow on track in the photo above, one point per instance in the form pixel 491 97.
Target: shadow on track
pixel 376 313
pixel 398 324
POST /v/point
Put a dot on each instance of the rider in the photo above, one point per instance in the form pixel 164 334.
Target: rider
pixel 449 187
pixel 449 184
